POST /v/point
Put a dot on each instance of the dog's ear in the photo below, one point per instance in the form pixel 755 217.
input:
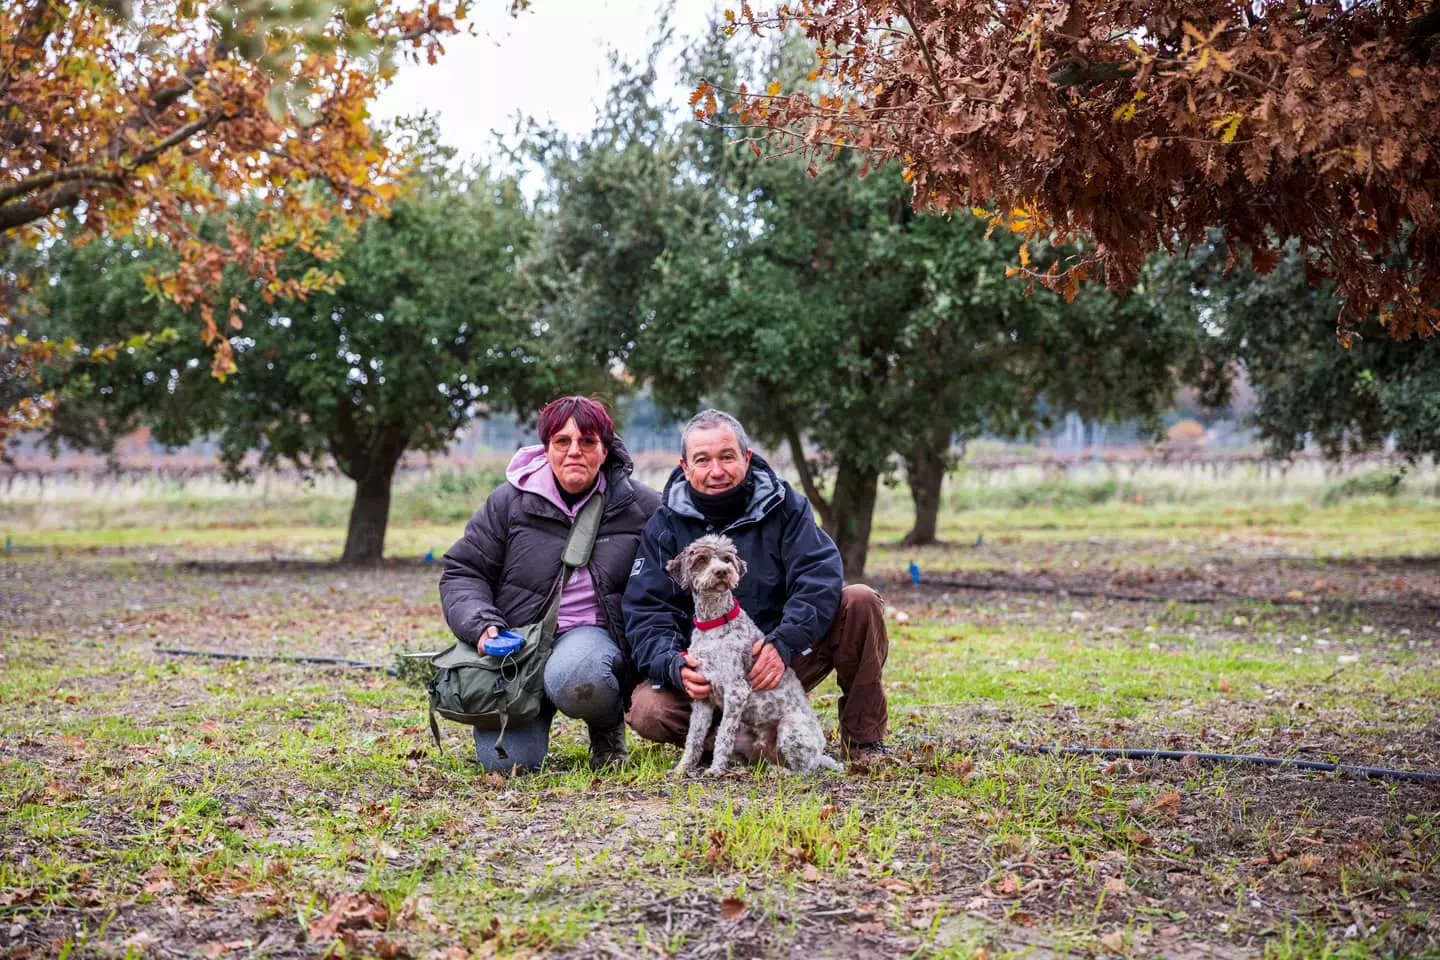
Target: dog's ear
pixel 679 569
pixel 740 565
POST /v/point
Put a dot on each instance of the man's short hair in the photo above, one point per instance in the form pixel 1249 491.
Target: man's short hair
pixel 708 420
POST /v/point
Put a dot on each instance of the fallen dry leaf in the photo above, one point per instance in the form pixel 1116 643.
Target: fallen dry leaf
pixel 353 911
pixel 870 926
pixel 1114 941
pixel 732 907
pixel 1117 886
pixel 1167 803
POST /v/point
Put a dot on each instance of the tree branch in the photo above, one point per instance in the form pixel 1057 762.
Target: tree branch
pixel 21 212
pixel 65 185
pixel 179 136
pixel 1075 72
pixel 807 477
pixel 925 52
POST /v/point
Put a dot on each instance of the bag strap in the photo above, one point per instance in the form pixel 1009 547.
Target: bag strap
pixel 578 546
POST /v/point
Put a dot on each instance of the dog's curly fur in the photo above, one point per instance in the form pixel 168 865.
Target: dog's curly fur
pixel 710 568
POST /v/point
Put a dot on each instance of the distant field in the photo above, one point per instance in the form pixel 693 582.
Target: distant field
pixel 177 806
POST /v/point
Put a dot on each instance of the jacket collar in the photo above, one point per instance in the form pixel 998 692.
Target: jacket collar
pixel 769 493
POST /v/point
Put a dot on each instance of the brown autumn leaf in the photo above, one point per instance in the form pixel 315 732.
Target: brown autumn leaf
pixel 158 880
pixel 1118 887
pixel 732 908
pixel 961 767
pixel 350 911
pixel 1168 803
pixel 1114 941
pixel 868 926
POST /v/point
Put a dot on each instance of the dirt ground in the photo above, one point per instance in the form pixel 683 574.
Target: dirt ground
pixel 187 806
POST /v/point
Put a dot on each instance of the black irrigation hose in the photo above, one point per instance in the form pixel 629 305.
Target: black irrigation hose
pixel 1127 753
pixel 217 655
pixel 1120 753
pixel 1150 598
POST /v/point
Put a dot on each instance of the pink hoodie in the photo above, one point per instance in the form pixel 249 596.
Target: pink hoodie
pixel 530 471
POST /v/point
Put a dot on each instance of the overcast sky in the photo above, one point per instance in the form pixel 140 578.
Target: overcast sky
pixel 548 62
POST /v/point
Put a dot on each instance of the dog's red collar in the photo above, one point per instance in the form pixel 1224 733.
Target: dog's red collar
pixel 719 621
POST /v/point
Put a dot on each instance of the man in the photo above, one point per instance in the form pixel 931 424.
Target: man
pixel 793 590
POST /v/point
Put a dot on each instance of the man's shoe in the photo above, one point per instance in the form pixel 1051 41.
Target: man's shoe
pixel 874 750
pixel 608 746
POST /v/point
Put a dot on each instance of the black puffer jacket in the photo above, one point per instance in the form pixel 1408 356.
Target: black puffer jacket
pixel 501 571
pixel 791 590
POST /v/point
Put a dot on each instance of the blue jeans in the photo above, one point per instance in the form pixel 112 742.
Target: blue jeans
pixel 581 681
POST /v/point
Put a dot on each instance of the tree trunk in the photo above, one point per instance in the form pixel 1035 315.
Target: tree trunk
pixel 807 477
pixel 852 507
pixel 369 515
pixel 925 473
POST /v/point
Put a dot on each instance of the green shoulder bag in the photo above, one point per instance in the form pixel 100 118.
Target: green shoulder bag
pixel 489 692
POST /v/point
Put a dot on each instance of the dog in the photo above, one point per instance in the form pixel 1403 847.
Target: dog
pixel 721 644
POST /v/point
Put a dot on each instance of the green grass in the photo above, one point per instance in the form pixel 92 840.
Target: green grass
pixel 147 799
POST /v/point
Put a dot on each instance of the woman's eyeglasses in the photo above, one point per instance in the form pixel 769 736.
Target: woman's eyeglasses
pixel 586 443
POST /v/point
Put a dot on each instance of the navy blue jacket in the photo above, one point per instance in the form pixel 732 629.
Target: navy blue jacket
pixel 791 588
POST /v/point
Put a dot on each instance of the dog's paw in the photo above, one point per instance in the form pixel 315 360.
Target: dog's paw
pixel 716 771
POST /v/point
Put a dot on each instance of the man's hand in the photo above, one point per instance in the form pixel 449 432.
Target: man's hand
pixel 768 669
pixel 488 634
pixel 695 683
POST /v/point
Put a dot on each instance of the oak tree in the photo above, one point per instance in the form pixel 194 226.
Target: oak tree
pixel 1136 126
pixel 154 118
pixel 426 332
pixel 1279 330
pixel 823 310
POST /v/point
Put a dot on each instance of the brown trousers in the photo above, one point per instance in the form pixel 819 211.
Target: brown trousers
pixel 855 648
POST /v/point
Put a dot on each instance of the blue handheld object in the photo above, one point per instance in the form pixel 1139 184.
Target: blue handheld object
pixel 504 643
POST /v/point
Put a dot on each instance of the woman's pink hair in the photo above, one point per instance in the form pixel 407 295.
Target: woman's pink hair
pixel 590 416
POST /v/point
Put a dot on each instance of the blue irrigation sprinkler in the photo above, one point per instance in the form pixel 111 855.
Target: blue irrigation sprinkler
pixel 7 543
pixel 979 539
pixel 429 556
pixel 914 572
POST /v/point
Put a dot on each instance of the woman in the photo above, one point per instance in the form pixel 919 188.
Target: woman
pixel 501 571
